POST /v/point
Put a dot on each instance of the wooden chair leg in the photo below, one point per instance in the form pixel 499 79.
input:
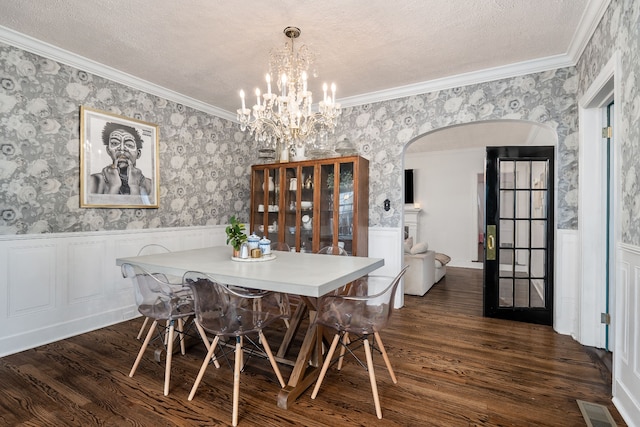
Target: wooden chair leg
pixel 236 381
pixel 144 325
pixel 167 366
pixel 385 357
pixel 143 348
pixel 166 332
pixel 181 336
pixel 372 378
pixel 205 340
pixel 274 365
pixel 325 365
pixel 203 368
pixel 345 342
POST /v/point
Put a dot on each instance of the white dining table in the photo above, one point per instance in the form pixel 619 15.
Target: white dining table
pixel 305 274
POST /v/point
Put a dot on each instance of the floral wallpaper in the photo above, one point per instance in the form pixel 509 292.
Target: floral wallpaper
pixel 619 31
pixel 382 130
pixel 205 161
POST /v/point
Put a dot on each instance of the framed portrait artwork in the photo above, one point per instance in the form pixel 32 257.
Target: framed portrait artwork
pixel 118 161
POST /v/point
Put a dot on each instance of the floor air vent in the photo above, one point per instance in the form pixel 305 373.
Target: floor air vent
pixel 595 415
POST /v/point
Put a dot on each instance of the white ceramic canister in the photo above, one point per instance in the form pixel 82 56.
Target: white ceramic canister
pixel 265 246
pixel 253 240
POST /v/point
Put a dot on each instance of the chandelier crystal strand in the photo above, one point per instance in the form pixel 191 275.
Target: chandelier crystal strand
pixel 286 120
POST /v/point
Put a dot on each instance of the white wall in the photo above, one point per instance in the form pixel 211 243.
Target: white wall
pixel 446 189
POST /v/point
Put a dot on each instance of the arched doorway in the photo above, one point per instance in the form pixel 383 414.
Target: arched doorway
pixel 448 165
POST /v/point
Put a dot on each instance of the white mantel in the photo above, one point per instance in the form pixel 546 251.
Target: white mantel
pixel 411 216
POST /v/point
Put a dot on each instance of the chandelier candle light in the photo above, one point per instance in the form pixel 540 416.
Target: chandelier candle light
pixel 287 121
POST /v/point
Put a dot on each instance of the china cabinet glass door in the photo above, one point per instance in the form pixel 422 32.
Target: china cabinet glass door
pixel 267 196
pixel 306 208
pixel 291 205
pixel 328 193
pixel 345 207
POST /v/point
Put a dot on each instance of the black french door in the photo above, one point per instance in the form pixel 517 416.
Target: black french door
pixel 519 230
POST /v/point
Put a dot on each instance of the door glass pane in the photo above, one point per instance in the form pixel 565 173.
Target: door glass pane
pixel 523 174
pixel 506 234
pixel 538 234
pixel 506 262
pixel 507 170
pixel 522 234
pixel 521 293
pixel 522 204
pixel 505 295
pixel 537 293
pixel 538 264
pixel 506 203
pixel 539 174
pixel 522 262
pixel 538 204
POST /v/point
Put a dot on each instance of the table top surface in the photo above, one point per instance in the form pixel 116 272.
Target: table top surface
pixel 291 272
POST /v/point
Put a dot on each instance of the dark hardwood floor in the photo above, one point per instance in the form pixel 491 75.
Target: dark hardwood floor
pixel 454 368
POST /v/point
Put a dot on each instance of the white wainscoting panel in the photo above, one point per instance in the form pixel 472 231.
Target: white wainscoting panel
pixel 386 242
pixel 566 282
pixel 53 286
pixel 31 280
pixel 626 324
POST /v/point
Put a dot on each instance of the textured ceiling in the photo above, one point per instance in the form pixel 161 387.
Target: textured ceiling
pixel 208 50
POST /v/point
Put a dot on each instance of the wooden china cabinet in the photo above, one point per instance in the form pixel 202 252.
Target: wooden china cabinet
pixel 312 203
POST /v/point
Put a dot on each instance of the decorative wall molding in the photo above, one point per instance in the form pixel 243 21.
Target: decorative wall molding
pixel 566 282
pixel 386 242
pixel 626 333
pixel 76 286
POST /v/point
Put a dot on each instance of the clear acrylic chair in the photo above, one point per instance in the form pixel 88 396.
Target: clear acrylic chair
pixel 280 246
pixel 363 312
pixel 150 249
pixel 234 312
pixel 161 301
pixel 332 250
pixel 293 299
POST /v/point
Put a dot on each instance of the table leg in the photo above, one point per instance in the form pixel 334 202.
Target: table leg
pixel 294 324
pixel 303 375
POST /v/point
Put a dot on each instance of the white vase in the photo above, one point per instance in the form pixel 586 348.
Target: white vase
pixel 271 184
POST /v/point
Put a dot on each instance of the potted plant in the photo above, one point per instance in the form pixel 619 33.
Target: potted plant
pixel 235 234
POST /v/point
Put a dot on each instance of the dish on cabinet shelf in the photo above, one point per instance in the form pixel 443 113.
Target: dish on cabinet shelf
pixel 305 204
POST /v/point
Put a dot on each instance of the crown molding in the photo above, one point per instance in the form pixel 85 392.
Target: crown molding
pixel 465 79
pixel 47 50
pixel 589 21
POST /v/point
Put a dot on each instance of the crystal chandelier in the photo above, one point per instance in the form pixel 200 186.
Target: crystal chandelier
pixel 287 120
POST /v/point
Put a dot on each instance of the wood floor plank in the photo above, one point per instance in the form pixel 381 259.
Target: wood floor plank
pixel 454 368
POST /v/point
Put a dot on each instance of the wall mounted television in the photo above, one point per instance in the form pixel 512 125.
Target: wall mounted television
pixel 408 186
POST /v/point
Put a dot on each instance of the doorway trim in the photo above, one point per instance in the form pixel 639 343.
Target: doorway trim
pixel 592 220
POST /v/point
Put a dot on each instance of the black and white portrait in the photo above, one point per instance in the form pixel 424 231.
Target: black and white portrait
pixel 118 159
